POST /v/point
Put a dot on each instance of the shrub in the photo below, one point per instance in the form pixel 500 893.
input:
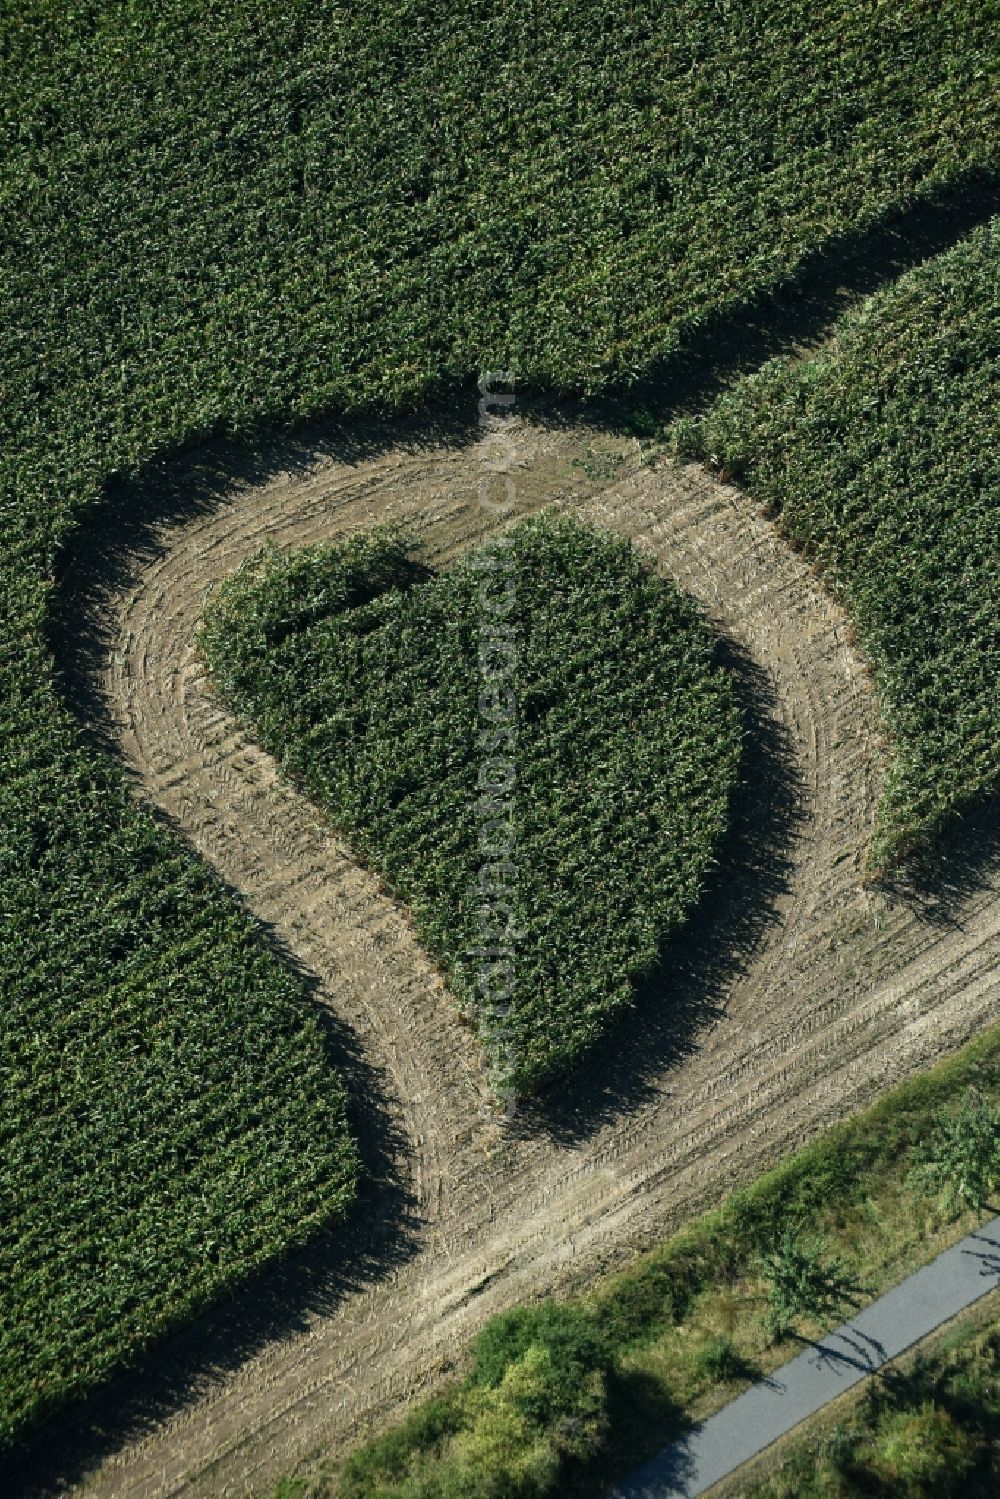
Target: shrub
pixel 573 1343
pixel 720 1360
pixel 534 1404
pixel 925 1453
pixel 801 1283
pixel 962 1157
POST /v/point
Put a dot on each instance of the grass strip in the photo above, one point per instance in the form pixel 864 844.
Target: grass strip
pixel 585 1389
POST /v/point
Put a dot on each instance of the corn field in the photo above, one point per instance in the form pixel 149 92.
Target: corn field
pixel 882 459
pixel 234 216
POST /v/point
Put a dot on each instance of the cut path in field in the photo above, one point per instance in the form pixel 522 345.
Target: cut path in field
pixel 816 994
pixel 852 1352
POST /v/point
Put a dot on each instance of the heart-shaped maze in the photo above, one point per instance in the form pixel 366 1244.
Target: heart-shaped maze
pixel 536 750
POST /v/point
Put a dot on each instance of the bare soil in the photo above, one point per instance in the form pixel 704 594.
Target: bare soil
pixel 806 993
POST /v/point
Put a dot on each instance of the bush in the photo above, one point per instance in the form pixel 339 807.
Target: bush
pixel 962 1158
pixel 801 1282
pixel 925 1452
pixel 719 1360
pixel 570 1337
pixel 533 1405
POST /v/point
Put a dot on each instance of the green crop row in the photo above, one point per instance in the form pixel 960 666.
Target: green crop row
pixel 171 1119
pixel 535 749
pixel 226 214
pixel 881 458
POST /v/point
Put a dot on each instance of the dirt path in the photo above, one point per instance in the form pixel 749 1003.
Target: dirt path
pixel 822 993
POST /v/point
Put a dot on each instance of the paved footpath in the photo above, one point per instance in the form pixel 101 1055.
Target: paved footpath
pixel 773 1407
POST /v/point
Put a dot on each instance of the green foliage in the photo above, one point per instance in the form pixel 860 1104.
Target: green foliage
pixel 231 215
pixel 617 749
pixel 882 459
pixel 279 597
pixel 962 1157
pixel 929 1434
pixel 802 1283
pixel 925 1451
pixel 641 422
pixel 556 1400
pixel 533 1406
pixel 171 1119
pixel 290 1488
pixel 637 1307
pixel 719 1360
pixel 573 1343
pixel 414 1445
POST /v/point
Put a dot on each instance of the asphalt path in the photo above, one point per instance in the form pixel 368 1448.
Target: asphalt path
pixel 854 1351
